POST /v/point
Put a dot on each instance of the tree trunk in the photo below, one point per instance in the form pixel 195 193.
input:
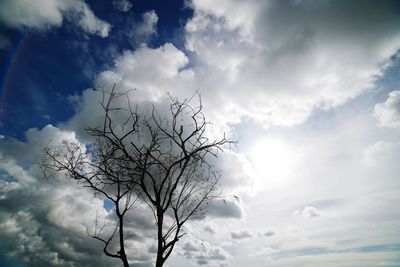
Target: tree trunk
pixel 125 261
pixel 122 246
pixel 160 248
pixel 121 252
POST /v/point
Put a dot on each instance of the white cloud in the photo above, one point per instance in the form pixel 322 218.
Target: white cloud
pixel 290 56
pixel 388 112
pixel 239 54
pixel 44 14
pixel 311 212
pixel 153 72
pixel 144 30
pixel 375 152
pixel 122 5
pixel 148 73
pixel 89 22
pixel 37 14
pixel 148 27
pixel 36 141
pixel 308 212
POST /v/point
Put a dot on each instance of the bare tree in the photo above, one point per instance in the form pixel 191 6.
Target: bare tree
pixel 101 169
pixel 163 159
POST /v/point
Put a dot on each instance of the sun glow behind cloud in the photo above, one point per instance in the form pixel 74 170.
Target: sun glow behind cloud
pixel 273 160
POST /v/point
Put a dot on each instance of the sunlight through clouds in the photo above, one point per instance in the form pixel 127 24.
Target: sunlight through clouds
pixel 273 160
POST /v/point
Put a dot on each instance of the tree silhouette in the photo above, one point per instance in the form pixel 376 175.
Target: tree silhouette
pixel 163 159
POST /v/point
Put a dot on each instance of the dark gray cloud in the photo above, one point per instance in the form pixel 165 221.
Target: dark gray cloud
pixel 222 208
pixel 269 232
pixel 45 222
pixel 42 232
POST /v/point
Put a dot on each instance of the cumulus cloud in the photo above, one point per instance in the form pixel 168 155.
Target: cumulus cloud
pixel 153 72
pixel 388 112
pixel 46 221
pixel 207 254
pixel 236 52
pixel 122 5
pixel 242 234
pixel 147 74
pixel 293 56
pixel 89 22
pixel 308 212
pixel 36 140
pixel 44 14
pixel 44 224
pixel 144 30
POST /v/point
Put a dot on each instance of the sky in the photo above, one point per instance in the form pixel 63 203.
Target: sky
pixel 309 89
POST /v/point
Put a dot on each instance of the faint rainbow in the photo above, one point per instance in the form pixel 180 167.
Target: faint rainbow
pixel 8 70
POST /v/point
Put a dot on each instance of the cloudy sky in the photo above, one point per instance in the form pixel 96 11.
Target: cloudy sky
pixel 310 89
